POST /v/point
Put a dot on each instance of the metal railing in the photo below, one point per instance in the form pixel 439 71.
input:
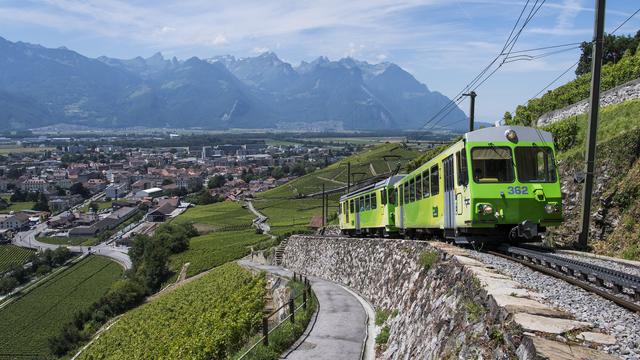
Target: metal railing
pixel 291 313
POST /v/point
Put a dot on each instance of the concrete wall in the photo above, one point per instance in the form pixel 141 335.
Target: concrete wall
pixel 624 92
pixel 442 312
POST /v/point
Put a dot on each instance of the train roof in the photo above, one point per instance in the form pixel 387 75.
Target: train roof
pixel 382 183
pixel 497 133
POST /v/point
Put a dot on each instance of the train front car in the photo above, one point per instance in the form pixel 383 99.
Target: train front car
pixel 513 187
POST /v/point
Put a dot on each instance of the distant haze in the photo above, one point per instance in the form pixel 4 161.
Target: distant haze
pixel 41 86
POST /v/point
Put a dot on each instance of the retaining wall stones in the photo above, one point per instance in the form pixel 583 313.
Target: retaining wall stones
pixel 622 93
pixel 456 308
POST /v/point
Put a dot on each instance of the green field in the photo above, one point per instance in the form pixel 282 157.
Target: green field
pixel 18 206
pixel 12 255
pixel 208 318
pixel 71 240
pixel 28 322
pixel 14 149
pixel 101 205
pixel 226 235
pixel 288 214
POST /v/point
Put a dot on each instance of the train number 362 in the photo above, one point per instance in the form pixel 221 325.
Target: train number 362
pixel 518 190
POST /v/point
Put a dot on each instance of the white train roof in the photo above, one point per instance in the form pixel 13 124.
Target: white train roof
pixel 382 183
pixel 498 134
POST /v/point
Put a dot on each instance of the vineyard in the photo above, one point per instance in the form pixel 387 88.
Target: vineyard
pixel 12 255
pixel 28 322
pixel 227 235
pixel 208 318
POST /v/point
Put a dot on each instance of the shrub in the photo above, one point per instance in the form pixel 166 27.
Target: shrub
pixel 383 336
pixel 564 133
pixel 428 258
pixel 381 316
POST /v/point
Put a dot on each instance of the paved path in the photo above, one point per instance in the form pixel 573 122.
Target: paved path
pixel 261 220
pixel 340 330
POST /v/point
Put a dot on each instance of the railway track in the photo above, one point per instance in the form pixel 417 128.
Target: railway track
pixel 605 282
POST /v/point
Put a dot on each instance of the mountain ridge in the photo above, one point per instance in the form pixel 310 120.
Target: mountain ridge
pixel 43 86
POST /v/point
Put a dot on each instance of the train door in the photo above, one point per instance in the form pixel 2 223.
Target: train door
pixel 357 200
pixel 401 202
pixel 449 196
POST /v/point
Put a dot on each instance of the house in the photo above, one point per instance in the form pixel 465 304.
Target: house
pixel 110 222
pixel 14 221
pixel 163 209
pixel 115 191
pixel 153 192
pixel 34 184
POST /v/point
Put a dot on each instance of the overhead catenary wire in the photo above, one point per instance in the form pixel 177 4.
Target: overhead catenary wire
pixel 625 21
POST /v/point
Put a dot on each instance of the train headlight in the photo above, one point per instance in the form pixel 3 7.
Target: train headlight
pixel 511 135
pixel 487 209
pixel 551 208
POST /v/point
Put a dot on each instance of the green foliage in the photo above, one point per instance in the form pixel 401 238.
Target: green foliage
pixel 382 316
pixel 41 263
pixel 614 49
pixel 383 336
pixel 430 154
pixel 27 323
pixel 428 258
pixel 474 310
pixel 216 181
pixel 209 318
pixel 12 255
pixel 564 133
pixel 497 335
pixel 626 69
pixel 632 252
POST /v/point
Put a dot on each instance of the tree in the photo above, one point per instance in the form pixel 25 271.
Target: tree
pixel 42 204
pixel 614 48
pixel 507 118
pixel 79 189
pixel 216 181
pixel 94 206
pixel 17 196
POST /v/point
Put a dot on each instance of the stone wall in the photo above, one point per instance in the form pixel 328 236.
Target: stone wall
pixel 440 312
pixel 624 92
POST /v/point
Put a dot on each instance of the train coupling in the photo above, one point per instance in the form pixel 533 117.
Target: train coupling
pixel 526 229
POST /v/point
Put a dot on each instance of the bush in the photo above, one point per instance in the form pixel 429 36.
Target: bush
pixel 381 316
pixel 428 258
pixel 383 337
pixel 564 133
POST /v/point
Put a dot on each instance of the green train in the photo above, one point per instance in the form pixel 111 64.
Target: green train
pixel 495 184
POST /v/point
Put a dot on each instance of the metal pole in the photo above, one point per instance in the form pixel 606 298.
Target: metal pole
pixel 349 177
pixel 292 310
pixel 326 203
pixel 265 331
pixel 304 298
pixel 592 127
pixel 323 213
pixel 472 109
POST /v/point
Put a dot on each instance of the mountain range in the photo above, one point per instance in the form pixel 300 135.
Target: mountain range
pixel 42 86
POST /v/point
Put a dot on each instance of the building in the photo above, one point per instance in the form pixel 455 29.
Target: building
pixel 152 192
pixel 115 191
pixel 14 221
pixel 110 222
pixel 34 185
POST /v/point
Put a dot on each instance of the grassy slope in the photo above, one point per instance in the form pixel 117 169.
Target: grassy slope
pixel 226 235
pixel 288 214
pixel 12 255
pixel 617 170
pixel 27 323
pixel 209 318
pixel 19 206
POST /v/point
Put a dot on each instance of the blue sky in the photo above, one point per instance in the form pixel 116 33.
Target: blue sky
pixel 444 43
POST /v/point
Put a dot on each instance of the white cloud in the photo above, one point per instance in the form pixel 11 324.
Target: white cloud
pixel 220 40
pixel 167 29
pixel 260 50
pixel 382 57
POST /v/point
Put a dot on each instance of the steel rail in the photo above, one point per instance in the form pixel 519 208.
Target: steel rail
pixel 582 284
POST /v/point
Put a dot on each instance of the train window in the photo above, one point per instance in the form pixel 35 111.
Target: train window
pixel 374 201
pixel 492 164
pixel 383 196
pixel 412 190
pixel 367 202
pixel 419 187
pixel 435 184
pixel 535 164
pixel 405 199
pixel 351 206
pixel 425 184
pixel 463 172
pixel 392 197
pixel 400 195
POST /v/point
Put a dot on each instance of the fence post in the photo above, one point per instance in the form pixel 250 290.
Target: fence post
pixel 294 276
pixel 265 330
pixel 304 298
pixel 292 310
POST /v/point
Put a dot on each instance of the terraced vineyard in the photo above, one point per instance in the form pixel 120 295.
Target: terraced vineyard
pixel 208 318
pixel 227 235
pixel 287 213
pixel 12 255
pixel 28 322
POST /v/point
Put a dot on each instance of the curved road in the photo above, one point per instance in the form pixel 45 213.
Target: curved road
pixel 28 239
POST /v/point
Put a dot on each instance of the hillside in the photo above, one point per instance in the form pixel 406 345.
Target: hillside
pixel 289 212
pixel 41 86
pixel 615 209
pixel 613 74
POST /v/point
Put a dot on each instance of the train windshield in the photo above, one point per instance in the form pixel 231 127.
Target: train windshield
pixel 535 164
pixel 492 164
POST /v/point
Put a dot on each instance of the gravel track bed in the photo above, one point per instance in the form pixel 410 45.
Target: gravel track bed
pixel 604 314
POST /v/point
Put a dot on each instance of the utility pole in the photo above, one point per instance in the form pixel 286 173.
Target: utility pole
pixel 326 211
pixel 592 127
pixel 323 204
pixel 349 177
pixel 472 109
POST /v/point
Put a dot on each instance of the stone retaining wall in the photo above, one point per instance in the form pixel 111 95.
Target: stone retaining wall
pixel 622 93
pixel 456 308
